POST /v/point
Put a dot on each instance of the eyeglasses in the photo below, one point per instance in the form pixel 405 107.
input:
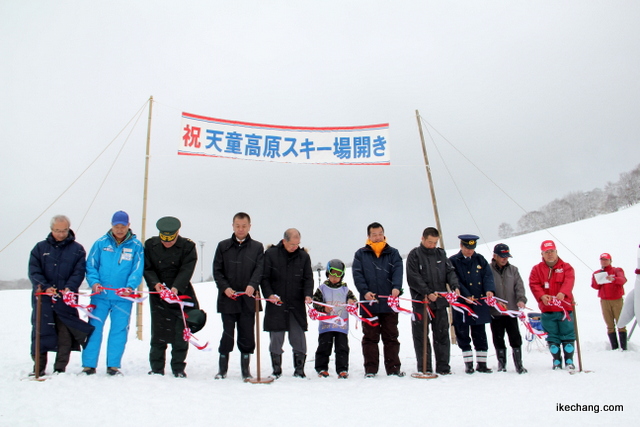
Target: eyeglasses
pixel 66 230
pixel 336 272
pixel 168 238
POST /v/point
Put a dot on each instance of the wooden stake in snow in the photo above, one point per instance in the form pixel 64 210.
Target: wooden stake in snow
pixel 258 379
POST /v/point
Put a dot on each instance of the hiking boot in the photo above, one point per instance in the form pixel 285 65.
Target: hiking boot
pixel 323 374
pixel 114 372
pixel 344 375
pixel 483 368
pixel 468 368
pixel 397 374
pixel 369 375
pixel 88 371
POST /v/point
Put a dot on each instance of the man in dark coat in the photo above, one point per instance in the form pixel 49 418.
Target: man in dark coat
pixel 287 281
pixel 377 271
pixel 476 281
pixel 57 265
pixel 169 260
pixel 429 271
pixel 237 267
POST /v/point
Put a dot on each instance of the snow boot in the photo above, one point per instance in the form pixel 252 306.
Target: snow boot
pixel 298 364
pixel 568 348
pixel 481 366
pixel 502 359
pixel 623 340
pixel 613 339
pixel 554 349
pixel 223 366
pixel 467 357
pixel 517 360
pixel 245 358
pixel 276 363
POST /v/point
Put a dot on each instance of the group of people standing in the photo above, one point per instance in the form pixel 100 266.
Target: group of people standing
pixel 117 262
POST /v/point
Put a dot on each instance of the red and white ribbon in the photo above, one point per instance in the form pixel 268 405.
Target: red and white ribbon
pixel 558 303
pixel 493 302
pixel 69 298
pixel 527 324
pixel 352 309
pixel 394 304
pixel 452 299
pixel 315 315
pixel 238 294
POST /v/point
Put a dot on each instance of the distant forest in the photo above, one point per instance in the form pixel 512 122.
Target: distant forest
pixel 577 206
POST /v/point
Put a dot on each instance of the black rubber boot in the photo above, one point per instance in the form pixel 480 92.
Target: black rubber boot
pixel 482 367
pixel 468 368
pixel 276 363
pixel 517 360
pixel 555 351
pixel 298 364
pixel 245 358
pixel 568 348
pixel 223 366
pixel 613 339
pixel 502 359
pixel 623 339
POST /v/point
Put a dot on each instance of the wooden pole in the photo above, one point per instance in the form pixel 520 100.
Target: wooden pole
pixel 144 216
pixel 575 325
pixel 435 213
pixel 424 375
pixel 258 379
pixel 38 320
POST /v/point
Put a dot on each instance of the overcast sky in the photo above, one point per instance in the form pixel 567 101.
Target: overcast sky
pixel 542 96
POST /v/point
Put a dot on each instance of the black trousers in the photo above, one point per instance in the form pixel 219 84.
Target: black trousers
pixel 441 343
pixel 502 324
pixel 478 335
pixel 179 350
pixel 245 323
pixel 387 329
pixel 325 344
pixel 63 354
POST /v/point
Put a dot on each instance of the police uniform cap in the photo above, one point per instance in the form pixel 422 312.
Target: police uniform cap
pixel 469 241
pixel 168 226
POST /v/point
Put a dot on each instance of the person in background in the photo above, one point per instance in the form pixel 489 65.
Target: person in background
pixel 610 291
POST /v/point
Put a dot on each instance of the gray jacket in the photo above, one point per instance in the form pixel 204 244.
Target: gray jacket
pixel 509 286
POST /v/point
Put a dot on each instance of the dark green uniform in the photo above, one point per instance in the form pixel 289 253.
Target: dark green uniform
pixel 173 267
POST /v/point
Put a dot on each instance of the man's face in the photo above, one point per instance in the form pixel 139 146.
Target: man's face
pixel 60 230
pixel 550 256
pixel 605 262
pixel 430 242
pixel 119 231
pixel 376 235
pixel 171 243
pixel 241 228
pixel 500 261
pixel 292 245
pixel 466 252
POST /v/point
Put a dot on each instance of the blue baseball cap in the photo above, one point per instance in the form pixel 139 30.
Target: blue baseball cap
pixel 120 218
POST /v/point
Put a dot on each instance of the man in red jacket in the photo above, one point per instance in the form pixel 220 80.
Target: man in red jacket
pixel 609 282
pixel 551 283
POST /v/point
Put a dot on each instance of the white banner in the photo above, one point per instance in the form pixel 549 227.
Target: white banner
pixel 349 145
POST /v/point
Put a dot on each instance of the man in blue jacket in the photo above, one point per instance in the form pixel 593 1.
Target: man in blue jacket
pixel 377 273
pixel 57 265
pixel 116 261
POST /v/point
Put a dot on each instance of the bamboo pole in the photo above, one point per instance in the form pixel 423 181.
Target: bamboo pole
pixel 259 379
pixel 139 308
pixel 37 337
pixel 435 213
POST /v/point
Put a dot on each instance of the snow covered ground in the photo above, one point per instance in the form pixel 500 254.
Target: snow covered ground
pixel 137 399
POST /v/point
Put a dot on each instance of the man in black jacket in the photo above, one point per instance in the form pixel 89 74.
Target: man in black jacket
pixel 169 260
pixel 237 267
pixel 429 271
pixel 288 283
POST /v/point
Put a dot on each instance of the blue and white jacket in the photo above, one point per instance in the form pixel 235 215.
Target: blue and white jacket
pixel 114 265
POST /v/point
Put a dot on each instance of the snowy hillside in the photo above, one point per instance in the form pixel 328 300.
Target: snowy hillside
pixel 531 399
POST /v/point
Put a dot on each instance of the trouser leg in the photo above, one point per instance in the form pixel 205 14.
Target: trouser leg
pixel 342 352
pixel 417 330
pixel 246 332
pixel 391 345
pixel 441 341
pixel 228 332
pixel 91 352
pixel 370 350
pixel 179 349
pixel 325 345
pixel 65 341
pixel 118 334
